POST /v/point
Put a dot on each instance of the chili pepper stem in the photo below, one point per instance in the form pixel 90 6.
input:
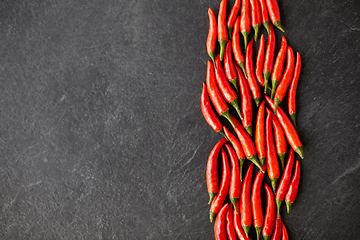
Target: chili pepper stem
pixel 266 25
pixel 221 131
pixel 258 232
pixel 288 206
pixel 222 43
pixel 212 196
pixel 255 160
pixel 226 115
pixel 257 101
pixel 246 230
pixel 273 183
pixel 249 130
pixel 212 56
pixel 277 103
pixel 300 151
pixel 278 205
pixel 256 29
pixel 245 35
pixel 230 31
pixel 262 160
pixel 282 158
pixel 266 237
pixel 235 104
pixel 241 164
pixel 266 78
pixel 234 201
pixel 242 66
pixel 278 25
pixel 212 215
pixel 273 88
pixel 293 119
pixel 234 82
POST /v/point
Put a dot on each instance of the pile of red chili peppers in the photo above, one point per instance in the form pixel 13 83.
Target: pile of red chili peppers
pixel 232 83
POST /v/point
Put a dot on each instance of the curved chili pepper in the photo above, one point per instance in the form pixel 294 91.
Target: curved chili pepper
pixel 289 129
pixel 260 62
pixel 286 78
pixel 269 57
pixel 245 204
pixel 224 187
pixel 276 235
pixel 255 13
pixel 220 225
pixel 284 182
pixel 249 67
pixel 235 183
pixel 256 205
pixel 232 17
pixel 212 179
pixel 246 103
pixel 245 25
pixel 273 164
pixel 270 214
pixel 260 133
pixel 237 225
pixel 278 66
pixel 292 90
pixel 284 233
pixel 216 98
pixel 229 68
pixel 230 230
pixel 264 15
pixel 222 31
pixel 238 149
pixel 274 12
pixel 239 57
pixel 293 187
pixel 246 143
pixel 211 39
pixel 280 140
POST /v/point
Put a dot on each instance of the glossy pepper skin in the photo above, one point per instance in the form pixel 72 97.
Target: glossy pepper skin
pixel 249 67
pixel 255 13
pixel 215 96
pixel 289 129
pixel 269 57
pixel 278 66
pixel 293 187
pixel 292 90
pixel 284 233
pixel 236 47
pixel 229 68
pixel 284 182
pixel 212 35
pixel 245 24
pixel 274 13
pixel 222 31
pixel 237 225
pixel 229 220
pixel 212 179
pixel 235 183
pixel 245 204
pixel 260 133
pixel 280 140
pixel 277 230
pixel 219 199
pixel 220 224
pixel 264 15
pixel 270 214
pixel 272 160
pixel 232 17
pixel 260 62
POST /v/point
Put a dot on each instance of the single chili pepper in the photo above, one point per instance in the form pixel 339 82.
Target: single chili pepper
pixel 246 103
pixel 270 214
pixel 216 98
pixel 280 140
pixel 274 13
pixel 249 67
pixel 255 13
pixel 277 230
pixel 260 133
pixel 224 187
pixel 256 203
pixel 220 224
pixel 239 57
pixel 246 143
pixel 289 129
pixel 245 25
pixel 232 17
pixel 222 31
pixel 230 230
pixel 212 179
pixel 273 164
pixel 211 39
pixel 284 233
pixel 269 57
pixel 278 66
pixel 245 204
pixel 293 187
pixel 286 78
pixel 260 62
pixel 235 183
pixel 292 90
pixel 229 67
pixel 238 149
pixel 264 15
pixel 237 225
pixel 284 182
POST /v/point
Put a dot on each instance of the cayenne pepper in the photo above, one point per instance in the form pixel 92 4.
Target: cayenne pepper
pixel 220 225
pixel 293 187
pixel 272 160
pixel 260 133
pixel 245 204
pixel 235 183
pixel 222 31
pixel 274 13
pixel 269 57
pixel 236 47
pixel 270 215
pixel 284 233
pixel 211 38
pixel 260 61
pixel 245 25
pixel 255 16
pixel 280 140
pixel 277 230
pixel 278 66
pixel 232 17
pixel 292 90
pixel 229 220
pixel 229 67
pixel 249 67
pixel 237 225
pixel 264 15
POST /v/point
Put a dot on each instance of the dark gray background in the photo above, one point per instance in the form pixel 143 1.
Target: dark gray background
pixel 101 131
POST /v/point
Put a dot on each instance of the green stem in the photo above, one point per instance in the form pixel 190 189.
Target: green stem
pixel 288 206
pixel 262 160
pixel 212 196
pixel 235 104
pixel 226 115
pixel 245 35
pixel 258 232
pixel 230 31
pixel 212 215
pixel 241 164
pixel 255 160
pixel 257 101
pixel 266 79
pixel 278 205
pixel 246 230
pixel 273 88
pixel 249 130
pixel 222 43
pixel 221 131
pixel 234 201
pixel 256 29
pixel 282 158
pixel 300 151
pixel 242 66
pixel 234 82
pixel 278 25
pixel 276 102
pixel 273 184
pixel 266 25
pixel 293 119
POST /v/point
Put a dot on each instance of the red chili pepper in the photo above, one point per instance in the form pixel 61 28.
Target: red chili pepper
pixel 260 133
pixel 238 149
pixel 224 187
pixel 232 17
pixel 280 140
pixel 255 16
pixel 284 182
pixel 256 205
pixel 246 143
pixel 239 57
pixel 274 12
pixel 237 225
pixel 270 214
pixel 292 90
pixel 245 25
pixel 229 67
pixel 286 78
pixel 278 66
pixel 211 39
pixel 277 230
pixel 235 183
pixel 220 225
pixel 293 187
pixel 264 15
pixel 284 233
pixel 273 164
pixel 245 204
pixel 216 98
pixel 222 31
pixel 269 57
pixel 260 62
pixel 230 230
pixel 212 179
pixel 289 129
pixel 249 67
pixel 246 103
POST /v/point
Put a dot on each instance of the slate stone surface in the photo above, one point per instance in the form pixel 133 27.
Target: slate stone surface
pixel 101 131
